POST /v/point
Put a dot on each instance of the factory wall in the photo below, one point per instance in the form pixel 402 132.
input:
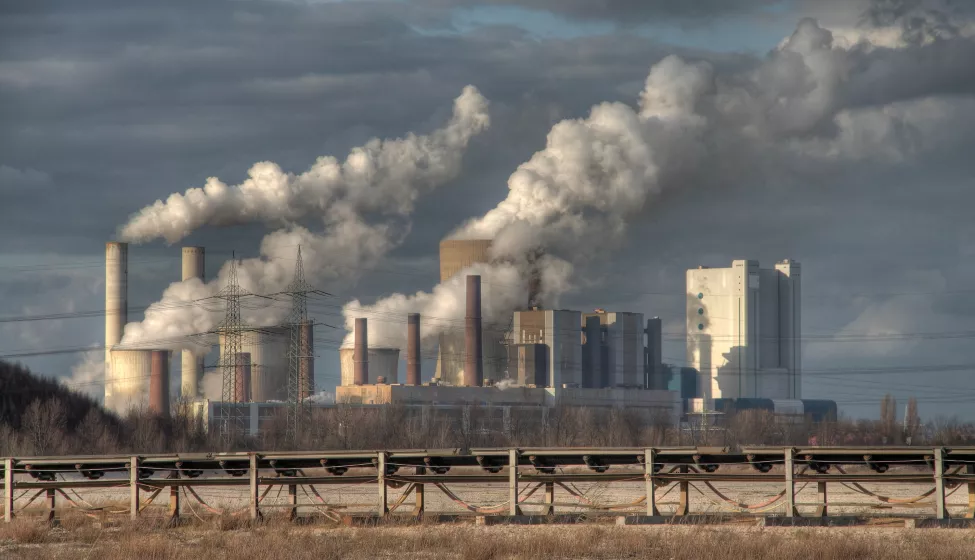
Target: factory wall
pixel 742 330
pixel 383 362
pixel 560 331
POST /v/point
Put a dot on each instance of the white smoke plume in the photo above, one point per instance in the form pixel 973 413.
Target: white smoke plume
pixel 382 178
pixel 803 104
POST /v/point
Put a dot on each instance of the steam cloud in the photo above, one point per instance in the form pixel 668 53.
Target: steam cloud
pixel 383 177
pixel 812 101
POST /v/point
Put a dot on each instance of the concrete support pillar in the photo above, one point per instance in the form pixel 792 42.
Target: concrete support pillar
pixel 381 480
pixel 51 501
pixel 293 501
pixel 473 341
pixel 413 349
pixel 360 352
pixel 419 494
pixel 823 509
pixel 174 504
pixel 254 488
pixel 684 499
pixel 133 488
pixel 941 509
pixel 970 470
pixel 8 489
pixel 648 458
pixel 513 508
pixel 790 483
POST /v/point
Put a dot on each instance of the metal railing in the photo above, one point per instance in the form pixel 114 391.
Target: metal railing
pixel 525 471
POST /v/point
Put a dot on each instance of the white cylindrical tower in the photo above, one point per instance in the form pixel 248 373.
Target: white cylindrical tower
pixel 116 302
pixel 128 386
pixel 192 366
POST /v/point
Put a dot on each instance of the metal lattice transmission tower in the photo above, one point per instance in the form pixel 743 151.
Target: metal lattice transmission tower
pixel 298 351
pixel 231 331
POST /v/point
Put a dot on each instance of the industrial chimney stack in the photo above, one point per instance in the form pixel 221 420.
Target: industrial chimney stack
pixel 360 354
pixel 192 366
pixel 473 344
pixel 413 349
pixel 159 383
pixel 116 294
pixel 242 378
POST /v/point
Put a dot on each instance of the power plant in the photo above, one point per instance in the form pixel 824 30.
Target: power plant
pixel 743 351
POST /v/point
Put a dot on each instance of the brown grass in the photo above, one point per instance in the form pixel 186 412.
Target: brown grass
pixel 278 539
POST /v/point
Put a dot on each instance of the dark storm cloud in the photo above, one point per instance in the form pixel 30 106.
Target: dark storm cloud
pixel 629 11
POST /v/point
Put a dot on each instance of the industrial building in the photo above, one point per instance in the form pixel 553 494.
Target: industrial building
pixel 743 330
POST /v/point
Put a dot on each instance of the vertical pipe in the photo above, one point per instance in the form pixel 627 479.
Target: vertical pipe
pixel 306 364
pixel 159 383
pixel 381 480
pixel 116 305
pixel 133 488
pixel 648 458
pixel 970 470
pixel 242 378
pixel 360 353
pixel 174 505
pixel 512 482
pixel 473 344
pixel 191 366
pixel 254 488
pixel 941 509
pixel 8 489
pixel 413 349
pixel 790 483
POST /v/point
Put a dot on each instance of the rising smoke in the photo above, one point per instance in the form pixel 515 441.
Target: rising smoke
pixel 810 101
pixel 382 178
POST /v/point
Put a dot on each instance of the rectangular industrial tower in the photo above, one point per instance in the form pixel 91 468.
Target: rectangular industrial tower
pixel 560 332
pixel 743 330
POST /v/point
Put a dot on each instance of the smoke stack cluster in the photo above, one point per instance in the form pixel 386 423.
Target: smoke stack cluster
pixel 159 383
pixel 360 354
pixel 473 345
pixel 413 349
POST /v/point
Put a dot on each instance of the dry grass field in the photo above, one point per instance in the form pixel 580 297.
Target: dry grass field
pixel 237 540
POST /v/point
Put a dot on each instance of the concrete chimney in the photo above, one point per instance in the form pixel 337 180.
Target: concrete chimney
pixel 116 294
pixel 360 354
pixel 242 378
pixel 192 366
pixel 473 344
pixel 413 349
pixel 159 383
pixel 306 364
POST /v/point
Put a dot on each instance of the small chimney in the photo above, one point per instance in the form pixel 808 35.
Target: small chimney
pixel 413 349
pixel 360 353
pixel 159 383
pixel 473 343
pixel 242 378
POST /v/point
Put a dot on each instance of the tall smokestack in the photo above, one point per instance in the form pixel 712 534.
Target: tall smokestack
pixel 159 383
pixel 242 378
pixel 360 353
pixel 413 349
pixel 306 363
pixel 192 366
pixel 116 300
pixel 473 345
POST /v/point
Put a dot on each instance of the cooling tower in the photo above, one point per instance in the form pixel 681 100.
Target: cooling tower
pixel 191 365
pixel 383 362
pixel 127 384
pixel 458 254
pixel 268 347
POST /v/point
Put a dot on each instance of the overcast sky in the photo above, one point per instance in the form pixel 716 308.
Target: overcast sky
pixel 107 106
